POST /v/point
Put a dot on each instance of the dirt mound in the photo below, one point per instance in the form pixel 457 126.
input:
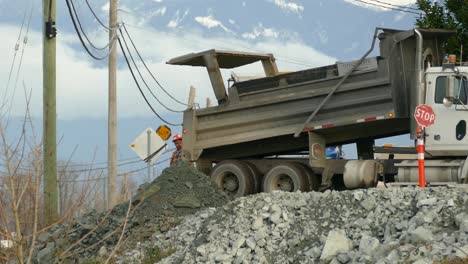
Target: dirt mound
pixel 179 191
pixel 158 206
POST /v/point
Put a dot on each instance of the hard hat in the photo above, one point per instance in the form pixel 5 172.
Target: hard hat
pixel 176 137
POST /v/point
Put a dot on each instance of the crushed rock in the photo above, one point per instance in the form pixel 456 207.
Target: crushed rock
pixel 401 225
pixel 159 206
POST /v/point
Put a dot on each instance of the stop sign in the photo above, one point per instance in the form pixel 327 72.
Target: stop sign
pixel 424 115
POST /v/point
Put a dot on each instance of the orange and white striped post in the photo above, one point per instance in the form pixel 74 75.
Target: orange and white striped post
pixel 420 149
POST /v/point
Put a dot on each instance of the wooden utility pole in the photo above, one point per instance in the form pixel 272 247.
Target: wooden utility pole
pixel 49 115
pixel 112 114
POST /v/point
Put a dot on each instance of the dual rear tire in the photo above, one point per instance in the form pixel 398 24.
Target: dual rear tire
pixel 290 177
pixel 239 178
pixel 233 177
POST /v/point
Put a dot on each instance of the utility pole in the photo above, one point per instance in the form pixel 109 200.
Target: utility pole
pixel 112 114
pixel 50 213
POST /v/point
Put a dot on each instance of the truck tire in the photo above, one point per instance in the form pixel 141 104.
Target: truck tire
pixel 257 177
pixel 314 179
pixel 233 178
pixel 288 177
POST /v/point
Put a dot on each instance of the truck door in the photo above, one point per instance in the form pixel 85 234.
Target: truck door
pixel 448 136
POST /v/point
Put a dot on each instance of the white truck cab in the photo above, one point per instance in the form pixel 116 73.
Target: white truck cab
pixel 447 94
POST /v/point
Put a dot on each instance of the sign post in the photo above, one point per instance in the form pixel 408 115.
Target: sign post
pixel 148 147
pixel 425 117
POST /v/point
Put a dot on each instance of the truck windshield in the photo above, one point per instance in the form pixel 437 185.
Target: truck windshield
pixel 461 90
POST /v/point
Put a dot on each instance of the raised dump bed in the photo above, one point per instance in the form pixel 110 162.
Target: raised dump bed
pixel 258 118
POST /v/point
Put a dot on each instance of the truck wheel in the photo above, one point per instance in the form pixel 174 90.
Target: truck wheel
pixel 233 177
pixel 314 179
pixel 287 177
pixel 257 177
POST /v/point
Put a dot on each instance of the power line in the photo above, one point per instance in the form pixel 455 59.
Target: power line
pixel 64 167
pixel 112 41
pixel 98 163
pixel 399 6
pixel 139 88
pixel 120 174
pixel 14 58
pixel 279 58
pixel 95 16
pixel 143 79
pixel 25 42
pixel 154 78
pixel 105 162
pixel 84 32
pixel 388 7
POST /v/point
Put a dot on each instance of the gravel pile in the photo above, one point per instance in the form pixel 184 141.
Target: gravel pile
pixel 159 206
pixel 401 225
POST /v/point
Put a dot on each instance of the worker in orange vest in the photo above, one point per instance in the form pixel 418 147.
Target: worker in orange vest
pixel 177 154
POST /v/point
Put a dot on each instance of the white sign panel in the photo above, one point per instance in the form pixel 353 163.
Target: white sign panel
pixel 366 65
pixel 157 145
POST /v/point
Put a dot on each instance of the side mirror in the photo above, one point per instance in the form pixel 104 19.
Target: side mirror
pixel 448 101
pixel 451 86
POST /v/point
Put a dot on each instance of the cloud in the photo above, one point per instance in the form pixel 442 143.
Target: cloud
pixel 289 6
pixel 232 21
pixel 353 47
pixel 160 11
pixel 177 19
pixel 158 1
pixel 261 31
pixel 105 7
pixel 380 6
pixel 323 36
pixel 399 16
pixel 82 85
pixel 211 22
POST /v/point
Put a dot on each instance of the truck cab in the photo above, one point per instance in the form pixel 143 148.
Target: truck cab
pixel 446 93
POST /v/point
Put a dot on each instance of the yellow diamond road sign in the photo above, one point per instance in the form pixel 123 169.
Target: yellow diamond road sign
pixel 164 132
pixel 157 146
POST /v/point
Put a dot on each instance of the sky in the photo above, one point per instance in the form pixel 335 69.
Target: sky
pixel 300 33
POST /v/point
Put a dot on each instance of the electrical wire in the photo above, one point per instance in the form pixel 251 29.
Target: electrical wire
pixel 105 162
pixel 154 78
pixel 63 167
pixel 99 163
pixel 84 32
pixel 388 7
pixel 139 88
pixel 280 58
pixel 50 11
pixel 192 40
pixel 25 42
pixel 14 59
pixel 399 6
pixel 120 174
pixel 143 79
pixel 95 16
pixel 81 38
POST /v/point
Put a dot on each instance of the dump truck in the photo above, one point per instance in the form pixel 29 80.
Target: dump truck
pixel 270 133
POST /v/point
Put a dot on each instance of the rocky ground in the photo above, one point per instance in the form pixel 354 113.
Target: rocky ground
pixel 406 225
pixel 159 206
pixel 181 218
